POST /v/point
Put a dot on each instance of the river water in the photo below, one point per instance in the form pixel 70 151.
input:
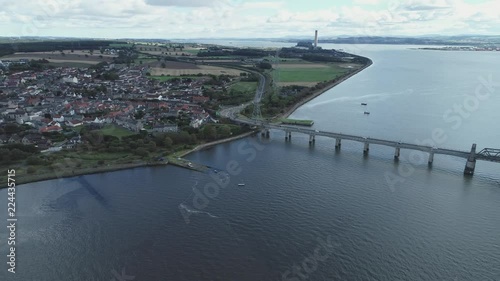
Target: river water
pixel 305 212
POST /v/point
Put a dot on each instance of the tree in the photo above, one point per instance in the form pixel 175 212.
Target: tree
pixel 225 131
pixel 151 146
pixel 265 65
pixel 31 170
pixel 34 160
pixel 208 132
pixel 139 114
pixel 141 151
pixel 17 154
pixel 168 142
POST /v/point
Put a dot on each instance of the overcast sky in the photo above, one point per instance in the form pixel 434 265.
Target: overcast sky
pixel 246 18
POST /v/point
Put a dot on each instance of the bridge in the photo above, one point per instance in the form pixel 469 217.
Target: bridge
pixel 487 154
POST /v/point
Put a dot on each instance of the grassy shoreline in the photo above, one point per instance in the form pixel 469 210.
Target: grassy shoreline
pixel 24 179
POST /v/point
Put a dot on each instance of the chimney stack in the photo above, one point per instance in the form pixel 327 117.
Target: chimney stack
pixel 316 39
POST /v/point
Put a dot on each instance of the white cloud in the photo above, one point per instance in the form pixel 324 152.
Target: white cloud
pixel 366 2
pixel 185 3
pixel 238 18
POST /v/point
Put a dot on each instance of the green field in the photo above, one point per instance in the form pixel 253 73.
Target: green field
pixel 117 45
pixel 244 86
pixel 112 130
pixel 289 75
pixel 71 64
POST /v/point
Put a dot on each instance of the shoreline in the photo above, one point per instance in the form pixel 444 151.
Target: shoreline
pixel 113 168
pixel 98 170
pixel 214 143
pixel 322 91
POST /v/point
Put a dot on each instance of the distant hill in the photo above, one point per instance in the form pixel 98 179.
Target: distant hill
pixel 437 40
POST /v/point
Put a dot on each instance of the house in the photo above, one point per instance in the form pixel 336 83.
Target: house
pixel 14 139
pixel 196 123
pixel 58 118
pixel 51 129
pixel 200 99
pixel 164 128
pixel 74 123
pixel 70 79
pixel 4 139
pixel 33 139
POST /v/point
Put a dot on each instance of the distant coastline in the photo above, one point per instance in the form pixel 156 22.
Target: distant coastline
pixel 461 49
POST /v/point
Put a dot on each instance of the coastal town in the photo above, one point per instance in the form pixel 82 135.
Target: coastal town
pixel 78 107
pixel 61 100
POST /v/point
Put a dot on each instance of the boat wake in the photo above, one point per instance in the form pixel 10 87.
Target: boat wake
pixel 371 97
pixel 188 210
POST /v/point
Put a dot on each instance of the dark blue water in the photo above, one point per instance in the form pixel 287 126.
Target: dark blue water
pixel 305 212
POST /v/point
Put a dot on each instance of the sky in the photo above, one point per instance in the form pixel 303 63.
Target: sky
pixel 185 19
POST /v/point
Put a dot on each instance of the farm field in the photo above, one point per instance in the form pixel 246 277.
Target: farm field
pixel 166 78
pixel 178 69
pixel 308 74
pixel 77 57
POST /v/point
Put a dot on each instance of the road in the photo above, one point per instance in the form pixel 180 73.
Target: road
pixel 233 111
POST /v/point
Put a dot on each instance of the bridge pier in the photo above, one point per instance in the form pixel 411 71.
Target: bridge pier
pixel 288 135
pixel 312 139
pixel 366 148
pixel 338 143
pixel 470 166
pixel 431 158
pixel 397 153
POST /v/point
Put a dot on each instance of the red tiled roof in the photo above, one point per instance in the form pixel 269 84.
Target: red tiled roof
pixel 51 129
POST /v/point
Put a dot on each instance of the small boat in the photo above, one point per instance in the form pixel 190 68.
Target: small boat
pixel 241 184
pixel 363 103
pixel 366 112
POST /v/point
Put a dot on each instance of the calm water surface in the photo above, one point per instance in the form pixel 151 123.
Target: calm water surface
pixel 432 224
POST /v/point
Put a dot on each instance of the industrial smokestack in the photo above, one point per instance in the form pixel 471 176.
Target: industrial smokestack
pixel 316 39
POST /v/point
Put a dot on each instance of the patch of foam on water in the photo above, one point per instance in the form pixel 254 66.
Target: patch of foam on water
pixel 187 209
pixel 372 97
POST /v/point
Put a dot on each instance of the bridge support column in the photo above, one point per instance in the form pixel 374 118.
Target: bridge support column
pixel 397 152
pixel 431 158
pixel 312 139
pixel 338 142
pixel 366 148
pixel 470 166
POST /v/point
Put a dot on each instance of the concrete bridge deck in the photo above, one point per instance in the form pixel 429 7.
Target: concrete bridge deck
pixel 395 144
pixel 487 154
